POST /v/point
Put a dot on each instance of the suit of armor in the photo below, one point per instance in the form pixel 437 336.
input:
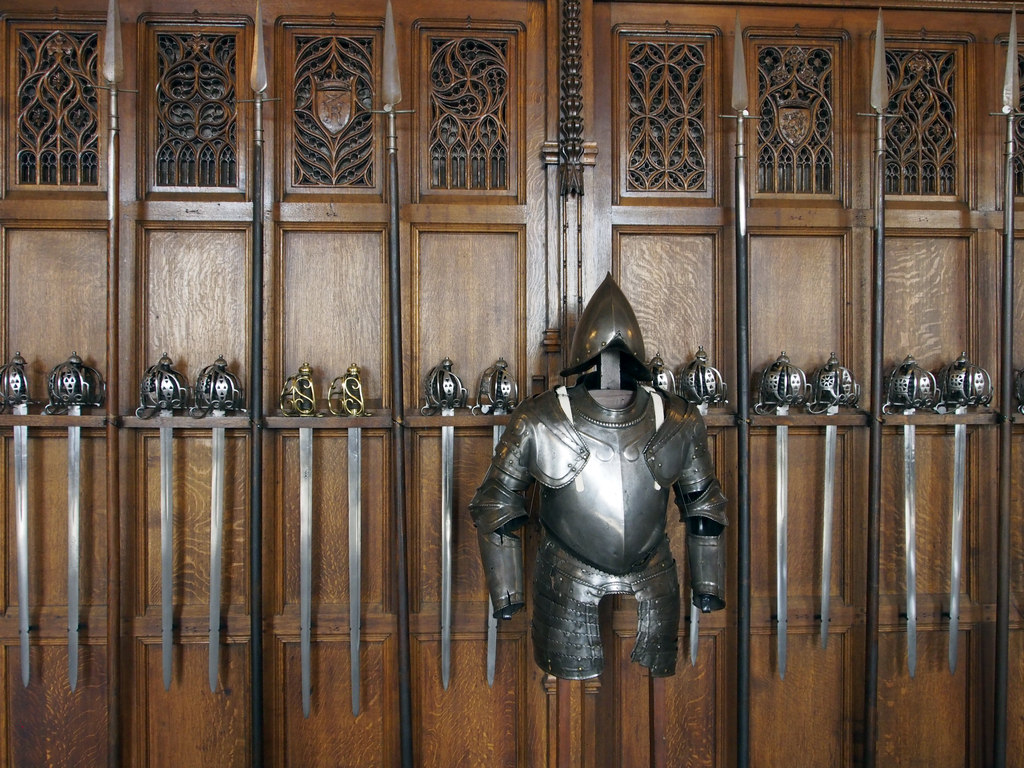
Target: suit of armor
pixel 605 473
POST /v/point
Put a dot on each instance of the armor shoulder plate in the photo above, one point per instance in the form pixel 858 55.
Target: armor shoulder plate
pixel 551 449
pixel 678 452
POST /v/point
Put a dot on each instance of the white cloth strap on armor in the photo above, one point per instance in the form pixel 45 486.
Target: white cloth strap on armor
pixel 563 401
pixel 659 416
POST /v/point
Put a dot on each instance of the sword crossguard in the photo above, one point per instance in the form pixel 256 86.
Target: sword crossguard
pixel 701 383
pixel 962 384
pixel 73 383
pixel 910 387
pixel 345 397
pixel 443 389
pixel 832 386
pixel 13 383
pixel 298 397
pixel 498 392
pixel 218 390
pixel 162 389
pixel 782 385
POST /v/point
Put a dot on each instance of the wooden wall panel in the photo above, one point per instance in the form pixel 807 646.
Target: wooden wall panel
pixel 450 266
pixel 798 290
pixel 333 307
pixel 810 713
pixel 42 319
pixel 194 297
pixel 671 278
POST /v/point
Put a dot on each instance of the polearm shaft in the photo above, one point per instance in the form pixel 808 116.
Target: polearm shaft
pixel 740 104
pixel 879 102
pixel 258 82
pixel 392 95
pixel 1011 100
pixel 113 73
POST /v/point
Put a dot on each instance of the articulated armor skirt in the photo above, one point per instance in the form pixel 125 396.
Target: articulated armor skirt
pixel 566 635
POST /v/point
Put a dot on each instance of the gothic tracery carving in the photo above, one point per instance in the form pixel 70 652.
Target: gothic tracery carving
pixel 921 137
pixel 58 117
pixel 796 145
pixel 333 125
pixel 469 106
pixel 666 116
pixel 196 117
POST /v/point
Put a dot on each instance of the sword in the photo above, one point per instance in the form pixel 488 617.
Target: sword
pixel 961 384
pixel 445 393
pixel 163 390
pixel 910 387
pixel 498 393
pixel 217 391
pixel 298 398
pixel 349 391
pixel 14 392
pixel 782 385
pixel 832 385
pixel 699 383
pixel 72 385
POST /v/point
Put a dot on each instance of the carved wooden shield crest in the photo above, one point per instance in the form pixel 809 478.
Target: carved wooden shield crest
pixel 334 102
pixel 794 123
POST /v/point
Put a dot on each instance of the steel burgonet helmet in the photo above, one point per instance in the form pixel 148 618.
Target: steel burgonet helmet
pixel 608 322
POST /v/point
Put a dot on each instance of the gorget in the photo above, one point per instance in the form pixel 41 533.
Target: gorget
pixel 613 515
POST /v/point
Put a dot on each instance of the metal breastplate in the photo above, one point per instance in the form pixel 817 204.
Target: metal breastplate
pixel 612 515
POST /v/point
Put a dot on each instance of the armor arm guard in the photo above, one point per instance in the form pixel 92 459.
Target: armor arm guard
pixel 502 555
pixel 704 513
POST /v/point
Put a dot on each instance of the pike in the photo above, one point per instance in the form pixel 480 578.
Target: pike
pixel 217 391
pixel 72 385
pixel 444 393
pixel 961 384
pixel 349 390
pixel 15 397
pixel 910 387
pixel 701 384
pixel 782 385
pixel 298 398
pixel 162 391
pixel 831 386
pixel 497 394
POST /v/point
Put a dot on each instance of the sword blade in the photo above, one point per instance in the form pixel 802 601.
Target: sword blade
pixel 910 539
pixel 694 631
pixel 21 524
pixel 305 555
pixel 447 472
pixel 166 549
pixel 492 620
pixel 216 547
pixel 782 535
pixel 826 529
pixel 355 558
pixel 74 539
pixel 959 481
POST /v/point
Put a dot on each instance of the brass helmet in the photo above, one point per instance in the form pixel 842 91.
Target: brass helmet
pixel 608 322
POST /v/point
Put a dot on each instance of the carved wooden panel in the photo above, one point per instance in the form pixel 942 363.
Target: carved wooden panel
pixel 333 141
pixel 53 107
pixel 470 110
pixel 671 278
pixel 666 112
pixel 195 139
pixel 41 319
pixel 925 136
pixel 799 116
pixel 449 266
pixel 193 294
pixel 798 288
pixel 334 307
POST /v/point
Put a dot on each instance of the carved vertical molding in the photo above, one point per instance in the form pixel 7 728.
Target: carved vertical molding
pixel 570 103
